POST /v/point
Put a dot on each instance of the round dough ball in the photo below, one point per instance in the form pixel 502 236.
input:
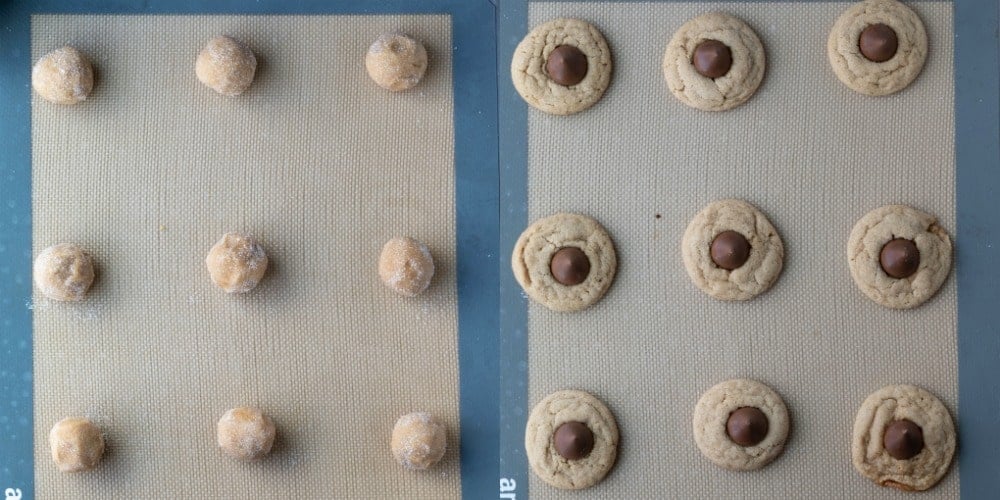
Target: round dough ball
pixel 245 433
pixel 63 76
pixel 77 444
pixel 406 266
pixel 236 263
pixel 418 441
pixel 64 272
pixel 396 62
pixel 226 66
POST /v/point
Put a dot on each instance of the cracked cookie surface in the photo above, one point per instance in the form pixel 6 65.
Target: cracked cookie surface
pixel 711 415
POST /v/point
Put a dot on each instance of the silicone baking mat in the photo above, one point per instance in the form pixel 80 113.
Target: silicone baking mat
pixel 323 167
pixel 815 157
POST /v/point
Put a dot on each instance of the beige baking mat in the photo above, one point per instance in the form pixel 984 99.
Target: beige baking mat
pixel 318 162
pixel 815 157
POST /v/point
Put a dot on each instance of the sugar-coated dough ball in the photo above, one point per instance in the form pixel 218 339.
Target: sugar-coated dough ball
pixel 246 433
pixel 396 62
pixel 63 76
pixel 236 263
pixel 418 441
pixel 406 266
pixel 64 272
pixel 77 444
pixel 226 66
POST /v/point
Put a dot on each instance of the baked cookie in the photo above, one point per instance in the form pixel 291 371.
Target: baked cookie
pixel 899 256
pixel 731 251
pixel 903 437
pixel 566 261
pixel 562 67
pixel 741 424
pixel 877 47
pixel 571 440
pixel 714 62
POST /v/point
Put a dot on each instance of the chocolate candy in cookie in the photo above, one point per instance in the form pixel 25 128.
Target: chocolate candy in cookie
pixel 730 250
pixel 747 426
pixel 878 42
pixel 712 59
pixel 573 440
pixel 570 266
pixel 566 65
pixel 903 439
pixel 900 258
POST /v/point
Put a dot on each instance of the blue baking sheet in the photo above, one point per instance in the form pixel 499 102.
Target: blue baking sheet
pixel 977 146
pixel 476 207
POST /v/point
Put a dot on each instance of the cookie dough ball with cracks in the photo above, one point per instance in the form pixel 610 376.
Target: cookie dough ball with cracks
pixel 877 47
pixel 396 62
pixel 64 272
pixel 904 438
pixel 226 66
pixel 63 76
pixel 406 266
pixel 418 441
pixel 899 256
pixel 571 440
pixel 741 424
pixel 245 433
pixel 77 444
pixel 714 62
pixel 236 263
pixel 562 67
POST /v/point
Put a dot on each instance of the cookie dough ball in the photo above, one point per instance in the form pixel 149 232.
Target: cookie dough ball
pixel 226 66
pixel 63 76
pixel 245 433
pixel 77 444
pixel 418 441
pixel 236 263
pixel 64 272
pixel 406 266
pixel 904 438
pixel 396 62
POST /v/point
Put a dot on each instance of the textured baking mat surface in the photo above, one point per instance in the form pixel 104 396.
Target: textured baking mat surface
pixel 812 155
pixel 323 167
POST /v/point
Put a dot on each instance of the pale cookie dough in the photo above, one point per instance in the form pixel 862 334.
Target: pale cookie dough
pixel 571 406
pixel 63 76
pixel 418 441
pixel 877 78
pixel 77 444
pixel 527 69
pixel 533 255
pixel 897 402
pixel 712 413
pixel 245 433
pixel 406 266
pixel 396 62
pixel 226 66
pixel 761 269
pixel 236 263
pixel 876 229
pixel 714 94
pixel 64 272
